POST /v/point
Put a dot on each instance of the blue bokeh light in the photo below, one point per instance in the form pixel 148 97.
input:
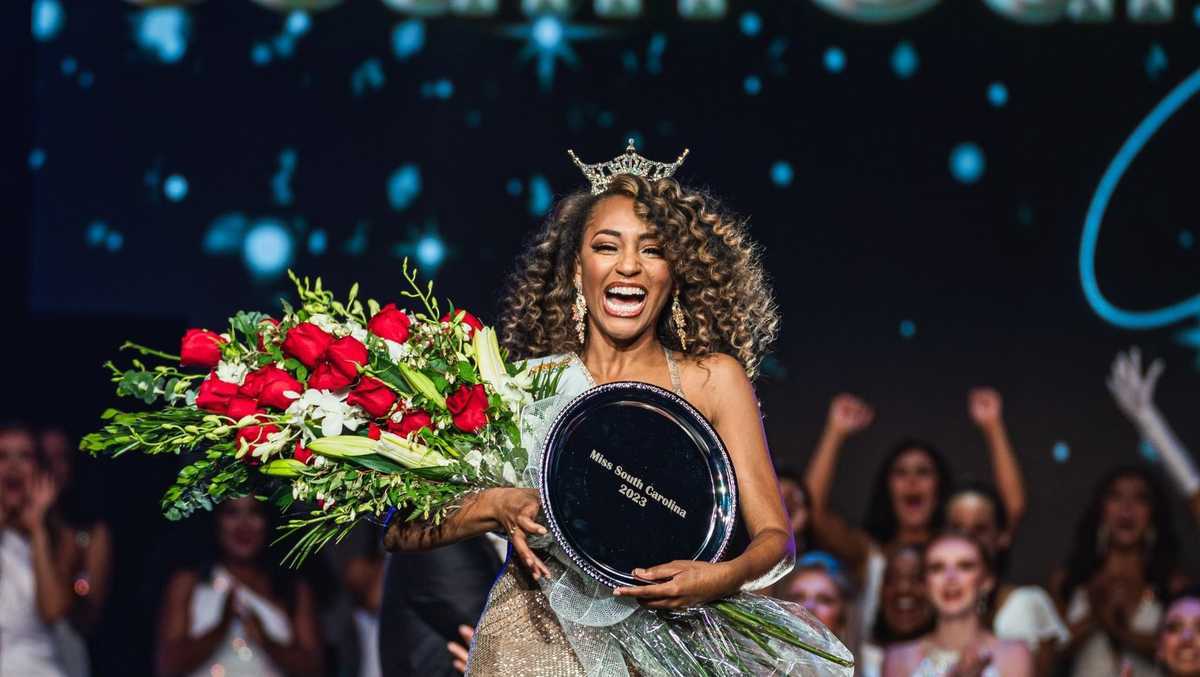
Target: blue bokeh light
pixel 95 233
pixel 267 249
pixel 408 38
pixel 654 53
pixel 86 79
pixel 224 234
pixel 967 162
pixel 905 60
pixel 547 32
pixel 281 182
pixel 908 329
pixel 69 65
pixel 782 173
pixel 48 18
pixel 368 75
pixel 404 186
pixel 835 60
pixel 37 159
pixel 752 84
pixel 540 195
pixel 430 251
pixel 175 187
pixel 997 94
pixel 1061 452
pixel 260 54
pixel 1196 15
pixel 513 187
pixel 318 242
pixel 162 32
pixel 1187 239
pixel 298 23
pixel 750 23
pixel 1147 450
pixel 438 89
pixel 1156 60
pixel 114 241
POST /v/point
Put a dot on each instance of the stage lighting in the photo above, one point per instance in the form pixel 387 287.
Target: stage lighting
pixel 175 188
pixel 905 60
pixel 318 241
pixel 162 32
pixel 37 158
pixel 782 174
pixel 967 162
pixel 1061 452
pixel 368 75
pixel 408 38
pixel 997 94
pixel 541 198
pixel 48 19
pixel 225 234
pixel 752 84
pixel 404 186
pixel 750 23
pixel 292 5
pixel 908 329
pixel 835 60
pixel 267 250
pixel 281 182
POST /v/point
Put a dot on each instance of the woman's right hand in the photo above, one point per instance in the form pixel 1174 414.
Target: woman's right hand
pixel 849 414
pixel 516 511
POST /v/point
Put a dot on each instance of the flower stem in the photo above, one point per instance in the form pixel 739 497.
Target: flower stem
pixel 148 351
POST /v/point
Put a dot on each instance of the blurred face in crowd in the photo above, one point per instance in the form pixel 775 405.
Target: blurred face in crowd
pixel 816 591
pixel 974 514
pixel 17 465
pixel 241 529
pixel 1179 639
pixel 956 576
pixel 793 501
pixel 57 448
pixel 913 484
pixel 902 600
pixel 1126 513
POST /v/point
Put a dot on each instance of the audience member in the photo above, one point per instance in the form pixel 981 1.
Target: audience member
pixel 904 609
pixel 1179 638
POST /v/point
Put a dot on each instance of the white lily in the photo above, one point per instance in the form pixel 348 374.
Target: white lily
pixel 406 453
pixel 232 372
pixel 492 371
pixel 328 408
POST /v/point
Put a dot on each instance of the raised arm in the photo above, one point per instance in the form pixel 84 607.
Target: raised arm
pixel 513 511
pixel 987 411
pixel 847 415
pixel 1134 394
pixel 51 589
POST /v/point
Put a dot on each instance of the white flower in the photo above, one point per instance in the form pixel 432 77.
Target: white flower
pixel 325 322
pixel 474 458
pixel 356 330
pixel 397 351
pixel 328 408
pixel 274 444
pixel 232 372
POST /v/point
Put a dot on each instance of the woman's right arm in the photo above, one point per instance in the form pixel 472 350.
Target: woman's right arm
pixel 847 415
pixel 179 653
pixel 508 509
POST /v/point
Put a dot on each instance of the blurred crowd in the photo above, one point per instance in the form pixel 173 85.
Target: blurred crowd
pixel 921 587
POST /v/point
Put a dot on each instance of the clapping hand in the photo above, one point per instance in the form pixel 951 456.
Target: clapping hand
pixel 849 414
pixel 1133 390
pixel 41 491
pixel 986 407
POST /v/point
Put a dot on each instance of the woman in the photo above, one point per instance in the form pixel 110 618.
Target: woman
pixel 243 615
pixel 1179 638
pixel 958 576
pixel 641 280
pixel 908 501
pixel 798 505
pixel 34 594
pixel 1119 571
pixel 817 585
pixel 904 610
pixel 1025 613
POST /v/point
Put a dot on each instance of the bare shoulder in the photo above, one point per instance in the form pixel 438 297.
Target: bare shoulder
pixel 1012 657
pixel 712 371
pixel 902 659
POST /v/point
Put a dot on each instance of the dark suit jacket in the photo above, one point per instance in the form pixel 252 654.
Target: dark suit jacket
pixel 426 596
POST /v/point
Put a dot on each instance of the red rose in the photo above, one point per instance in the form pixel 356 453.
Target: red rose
pixel 346 355
pixel 266 320
pixel 468 407
pixel 373 396
pixel 301 454
pixel 254 436
pixel 467 319
pixel 215 394
pixel 325 377
pixel 412 421
pixel 200 348
pixel 242 406
pixel 390 323
pixel 306 342
pixel 269 384
pixel 372 431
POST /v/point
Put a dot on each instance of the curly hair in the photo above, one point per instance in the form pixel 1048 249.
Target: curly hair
pixel 727 301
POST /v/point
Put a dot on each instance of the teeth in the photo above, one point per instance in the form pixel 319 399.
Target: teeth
pixel 627 291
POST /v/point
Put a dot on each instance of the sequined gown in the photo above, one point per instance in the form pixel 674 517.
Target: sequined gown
pixel 518 634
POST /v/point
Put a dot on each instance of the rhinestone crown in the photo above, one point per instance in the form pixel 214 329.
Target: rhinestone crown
pixel 628 162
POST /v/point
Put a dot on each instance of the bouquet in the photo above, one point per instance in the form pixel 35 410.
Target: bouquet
pixel 337 411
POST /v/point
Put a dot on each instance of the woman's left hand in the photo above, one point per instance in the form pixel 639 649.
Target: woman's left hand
pixel 682 583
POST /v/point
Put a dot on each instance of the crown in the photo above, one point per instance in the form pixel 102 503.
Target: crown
pixel 628 162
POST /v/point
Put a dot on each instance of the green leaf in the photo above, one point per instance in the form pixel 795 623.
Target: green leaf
pixel 378 463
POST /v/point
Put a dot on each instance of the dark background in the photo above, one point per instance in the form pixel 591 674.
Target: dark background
pixel 872 231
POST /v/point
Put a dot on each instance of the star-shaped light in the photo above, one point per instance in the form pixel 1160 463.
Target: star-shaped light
pixel 548 38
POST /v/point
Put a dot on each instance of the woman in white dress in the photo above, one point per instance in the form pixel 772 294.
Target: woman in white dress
pixel 958 577
pixel 1025 613
pixel 243 616
pixel 1120 569
pixel 34 594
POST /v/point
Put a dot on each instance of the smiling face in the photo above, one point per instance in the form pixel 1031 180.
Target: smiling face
pixel 902 599
pixel 1179 639
pixel 913 485
pixel 241 529
pixel 626 281
pixel 816 591
pixel 956 576
pixel 1126 512
pixel 17 465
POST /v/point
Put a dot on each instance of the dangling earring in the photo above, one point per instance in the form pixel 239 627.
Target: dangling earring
pixel 579 312
pixel 678 320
